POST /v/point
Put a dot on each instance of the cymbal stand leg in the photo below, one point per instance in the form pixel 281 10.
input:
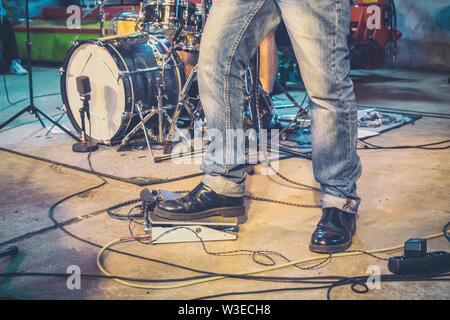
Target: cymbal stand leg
pixel 139 109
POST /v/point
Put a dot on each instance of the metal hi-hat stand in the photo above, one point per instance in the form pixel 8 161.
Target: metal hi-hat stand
pixel 100 5
pixel 164 135
pixel 31 108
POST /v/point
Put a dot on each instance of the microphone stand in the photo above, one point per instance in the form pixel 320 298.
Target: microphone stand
pixel 31 108
pixel 86 144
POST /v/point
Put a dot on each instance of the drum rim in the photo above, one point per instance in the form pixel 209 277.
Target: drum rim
pixel 159 2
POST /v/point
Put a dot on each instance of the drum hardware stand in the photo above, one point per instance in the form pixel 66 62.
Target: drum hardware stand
pixel 31 108
pixel 100 4
pixel 291 98
pixel 182 104
pixel 102 17
pixel 162 113
pixel 63 108
pixel 139 108
pixel 301 112
pixel 269 106
pixel 140 125
pixel 160 83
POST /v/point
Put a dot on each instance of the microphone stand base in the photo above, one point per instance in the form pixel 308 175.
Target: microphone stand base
pixel 84 146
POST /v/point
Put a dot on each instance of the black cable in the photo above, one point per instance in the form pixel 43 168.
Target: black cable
pixel 221 295
pixel 409 112
pixel 330 282
pixel 354 282
pixel 422 146
pixel 119 216
pixel 253 253
pixel 206 273
pixel 361 281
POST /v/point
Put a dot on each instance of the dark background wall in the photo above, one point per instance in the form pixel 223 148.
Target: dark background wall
pixel 426 34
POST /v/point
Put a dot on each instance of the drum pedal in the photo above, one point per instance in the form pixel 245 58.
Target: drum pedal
pixel 168 148
pixel 177 231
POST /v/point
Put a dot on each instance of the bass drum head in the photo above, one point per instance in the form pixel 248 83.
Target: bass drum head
pixel 108 95
pixel 113 98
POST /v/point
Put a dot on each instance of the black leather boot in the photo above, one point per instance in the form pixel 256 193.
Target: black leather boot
pixel 334 231
pixel 202 202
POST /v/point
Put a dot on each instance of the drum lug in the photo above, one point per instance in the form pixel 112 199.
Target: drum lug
pixel 75 41
pixel 126 115
pixel 61 71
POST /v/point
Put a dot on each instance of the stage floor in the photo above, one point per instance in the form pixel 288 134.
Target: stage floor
pixel 404 192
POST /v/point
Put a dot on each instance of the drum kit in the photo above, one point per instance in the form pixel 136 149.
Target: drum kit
pixel 137 76
pixel 144 77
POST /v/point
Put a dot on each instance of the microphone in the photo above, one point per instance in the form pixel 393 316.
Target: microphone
pixel 83 86
pixel 11 251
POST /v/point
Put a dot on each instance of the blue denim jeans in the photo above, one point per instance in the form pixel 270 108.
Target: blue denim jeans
pixel 318 30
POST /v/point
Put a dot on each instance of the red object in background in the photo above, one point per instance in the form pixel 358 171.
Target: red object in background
pixel 372 30
pixel 368 44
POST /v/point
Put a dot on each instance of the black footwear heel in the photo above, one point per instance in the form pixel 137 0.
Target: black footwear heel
pixel 232 212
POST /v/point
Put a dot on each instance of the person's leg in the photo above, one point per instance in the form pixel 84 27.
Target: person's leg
pixel 232 35
pixel 318 30
pixel 10 51
pixel 268 62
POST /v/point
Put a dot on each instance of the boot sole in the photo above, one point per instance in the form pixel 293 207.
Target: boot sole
pixel 228 212
pixel 330 249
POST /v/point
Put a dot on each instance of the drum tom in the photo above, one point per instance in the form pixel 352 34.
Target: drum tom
pixel 160 16
pixel 190 17
pixel 113 98
pixel 165 16
pixel 125 22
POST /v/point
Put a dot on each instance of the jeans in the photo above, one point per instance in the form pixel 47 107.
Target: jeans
pixel 9 43
pixel 318 30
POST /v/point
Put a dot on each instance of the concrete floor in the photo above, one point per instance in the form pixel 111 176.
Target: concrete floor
pixel 404 192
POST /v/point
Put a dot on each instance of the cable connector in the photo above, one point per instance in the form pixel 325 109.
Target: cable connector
pixel 136 237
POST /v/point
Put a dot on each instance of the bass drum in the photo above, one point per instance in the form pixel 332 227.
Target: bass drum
pixel 113 97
